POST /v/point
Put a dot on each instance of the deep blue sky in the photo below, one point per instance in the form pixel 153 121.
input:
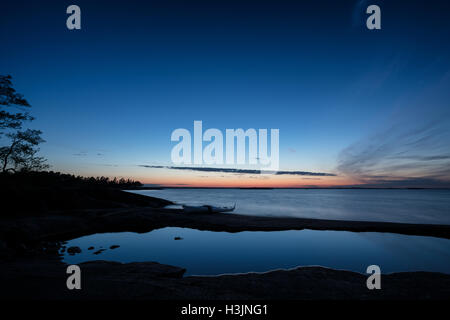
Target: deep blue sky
pixel 108 96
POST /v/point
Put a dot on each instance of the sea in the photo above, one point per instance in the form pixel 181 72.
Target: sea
pixel 388 205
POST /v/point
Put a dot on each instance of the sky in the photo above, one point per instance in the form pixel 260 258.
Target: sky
pixel 353 106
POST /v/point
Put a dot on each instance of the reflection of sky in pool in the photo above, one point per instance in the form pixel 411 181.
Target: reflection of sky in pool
pixel 208 253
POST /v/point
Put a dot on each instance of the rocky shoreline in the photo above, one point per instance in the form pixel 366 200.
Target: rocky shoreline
pixel 61 226
pixel 44 279
pixel 31 266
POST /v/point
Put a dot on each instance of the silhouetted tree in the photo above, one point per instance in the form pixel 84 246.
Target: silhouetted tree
pixel 20 153
pixel 9 97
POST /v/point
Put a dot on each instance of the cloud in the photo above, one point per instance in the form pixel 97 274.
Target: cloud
pixel 405 183
pixel 400 155
pixel 240 171
pixel 85 154
pixel 80 154
pixel 413 150
pixel 359 13
pixel 425 158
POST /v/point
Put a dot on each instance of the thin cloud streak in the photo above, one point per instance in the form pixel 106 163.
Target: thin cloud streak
pixel 413 151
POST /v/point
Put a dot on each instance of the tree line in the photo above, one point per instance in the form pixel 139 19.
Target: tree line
pixel 62 180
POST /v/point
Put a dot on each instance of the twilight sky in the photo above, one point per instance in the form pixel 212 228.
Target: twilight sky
pixel 364 107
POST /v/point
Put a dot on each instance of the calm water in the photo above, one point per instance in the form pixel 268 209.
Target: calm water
pixel 410 206
pixel 211 253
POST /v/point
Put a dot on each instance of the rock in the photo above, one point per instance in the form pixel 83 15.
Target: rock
pixel 134 271
pixel 51 245
pixel 3 245
pixel 114 246
pixel 73 250
pixel 138 280
pixel 99 251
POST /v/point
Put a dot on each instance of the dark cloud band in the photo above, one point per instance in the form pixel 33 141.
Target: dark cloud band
pixel 241 171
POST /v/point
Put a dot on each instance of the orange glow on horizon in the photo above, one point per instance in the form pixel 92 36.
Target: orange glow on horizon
pixel 174 178
pixel 269 181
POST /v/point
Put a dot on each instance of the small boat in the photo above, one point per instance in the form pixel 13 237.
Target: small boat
pixel 207 209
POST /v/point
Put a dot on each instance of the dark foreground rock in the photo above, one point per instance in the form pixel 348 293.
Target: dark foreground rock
pixel 46 279
pixel 31 268
pixel 99 251
pixel 73 250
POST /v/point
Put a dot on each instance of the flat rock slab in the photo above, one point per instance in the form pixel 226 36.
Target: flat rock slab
pixel 46 279
pixel 61 226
